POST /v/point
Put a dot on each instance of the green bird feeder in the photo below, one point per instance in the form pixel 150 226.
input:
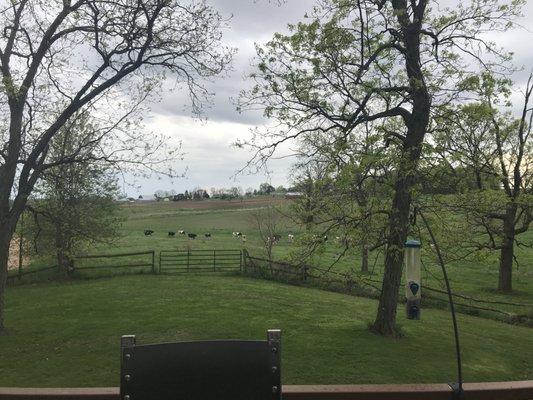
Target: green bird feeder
pixel 413 285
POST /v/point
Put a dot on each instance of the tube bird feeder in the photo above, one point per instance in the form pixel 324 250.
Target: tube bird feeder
pixel 413 285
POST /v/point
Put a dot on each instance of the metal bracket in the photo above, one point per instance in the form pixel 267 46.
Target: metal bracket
pixel 274 344
pixel 458 392
pixel 127 341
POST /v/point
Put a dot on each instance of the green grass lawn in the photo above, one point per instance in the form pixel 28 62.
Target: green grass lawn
pixel 68 334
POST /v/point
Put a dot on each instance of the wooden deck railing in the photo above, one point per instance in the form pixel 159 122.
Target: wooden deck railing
pixel 519 390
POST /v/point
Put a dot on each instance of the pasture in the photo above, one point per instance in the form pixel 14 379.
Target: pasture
pixel 221 218
pixel 68 334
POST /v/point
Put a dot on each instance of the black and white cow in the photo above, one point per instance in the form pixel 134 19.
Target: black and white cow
pixel 192 235
pixel 148 232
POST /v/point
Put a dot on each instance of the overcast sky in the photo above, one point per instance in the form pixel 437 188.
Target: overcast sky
pixel 209 159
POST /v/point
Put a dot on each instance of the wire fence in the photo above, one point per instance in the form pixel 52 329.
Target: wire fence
pixel 202 261
pixel 367 286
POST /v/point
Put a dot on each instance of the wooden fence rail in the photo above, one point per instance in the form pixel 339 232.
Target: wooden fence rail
pixel 125 256
pixel 518 390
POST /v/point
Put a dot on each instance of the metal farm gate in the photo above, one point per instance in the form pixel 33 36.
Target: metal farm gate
pixel 200 260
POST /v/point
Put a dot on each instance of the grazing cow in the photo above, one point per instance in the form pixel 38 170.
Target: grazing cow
pixel 208 235
pixel 192 235
pixel 181 232
pixel 274 239
pixel 170 233
pixel 291 237
pixel 319 239
pixel 148 232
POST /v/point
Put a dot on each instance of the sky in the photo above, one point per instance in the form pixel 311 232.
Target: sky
pixel 209 159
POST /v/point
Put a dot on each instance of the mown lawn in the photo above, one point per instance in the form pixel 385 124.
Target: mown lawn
pixel 67 334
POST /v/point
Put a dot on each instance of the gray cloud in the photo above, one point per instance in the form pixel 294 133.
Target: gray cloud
pixel 210 159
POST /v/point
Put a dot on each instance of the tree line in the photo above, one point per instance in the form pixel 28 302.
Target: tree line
pixel 235 192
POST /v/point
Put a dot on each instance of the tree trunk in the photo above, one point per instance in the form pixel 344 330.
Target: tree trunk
pixel 364 257
pixel 6 234
pixel 505 282
pixel 385 323
pixel 64 262
pixel 416 123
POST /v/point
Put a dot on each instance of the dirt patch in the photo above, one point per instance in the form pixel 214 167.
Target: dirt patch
pixel 214 204
pixel 13 261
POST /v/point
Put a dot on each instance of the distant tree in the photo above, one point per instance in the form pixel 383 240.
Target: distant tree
pixel 345 191
pixel 267 221
pixel 281 189
pixel 160 194
pixel 178 197
pixel 235 192
pixel 266 188
pixel 199 194
pixel 497 150
pixel 75 204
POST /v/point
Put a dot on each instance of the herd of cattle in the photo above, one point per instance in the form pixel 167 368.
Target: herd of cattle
pixel 274 239
pixel 149 232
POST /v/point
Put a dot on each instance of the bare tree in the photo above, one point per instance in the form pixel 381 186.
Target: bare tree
pixel 64 58
pixel 267 222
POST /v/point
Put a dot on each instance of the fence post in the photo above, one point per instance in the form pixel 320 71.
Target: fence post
pixel 188 256
pixel 214 260
pixel 153 260
pixel 241 260
pixel 304 272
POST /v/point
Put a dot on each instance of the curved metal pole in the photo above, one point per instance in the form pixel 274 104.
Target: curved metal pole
pixel 458 388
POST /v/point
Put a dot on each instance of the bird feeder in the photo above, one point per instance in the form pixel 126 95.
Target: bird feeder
pixel 412 279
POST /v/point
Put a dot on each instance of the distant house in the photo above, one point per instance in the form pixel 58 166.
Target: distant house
pixel 147 197
pixel 294 195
